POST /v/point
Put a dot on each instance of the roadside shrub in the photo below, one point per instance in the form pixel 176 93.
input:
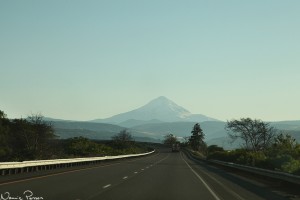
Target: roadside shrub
pixel 240 156
pixel 214 148
pixel 227 156
pixel 252 159
pixel 279 160
pixel 218 155
pixel 292 166
pixel 297 172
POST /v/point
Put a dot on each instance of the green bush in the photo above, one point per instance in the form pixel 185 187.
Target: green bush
pixel 285 163
pixel 275 163
pixel 252 159
pixel 227 156
pixel 292 166
pixel 283 155
pixel 240 156
pixel 218 155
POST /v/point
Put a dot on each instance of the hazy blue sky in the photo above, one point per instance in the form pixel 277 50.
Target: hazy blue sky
pixel 83 60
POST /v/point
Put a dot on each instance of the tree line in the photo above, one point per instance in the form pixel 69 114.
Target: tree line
pixel 195 141
pixel 34 139
pixel 261 146
pixel 24 138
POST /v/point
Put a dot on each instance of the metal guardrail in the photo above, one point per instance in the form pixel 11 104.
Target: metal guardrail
pixel 7 168
pixel 259 171
pixel 254 170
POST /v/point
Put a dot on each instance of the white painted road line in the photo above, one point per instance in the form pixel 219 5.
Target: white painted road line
pixel 125 177
pixel 224 186
pixel 135 172
pixel 204 183
pixel 106 186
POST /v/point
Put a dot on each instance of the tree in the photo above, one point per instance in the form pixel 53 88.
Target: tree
pixel 5 149
pixel 284 154
pixel 256 134
pixel 285 144
pixel 31 136
pixel 22 137
pixel 43 131
pixel 123 139
pixel 170 139
pixel 214 148
pixel 80 146
pixel 196 140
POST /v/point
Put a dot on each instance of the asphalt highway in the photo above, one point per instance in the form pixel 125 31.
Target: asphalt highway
pixel 163 175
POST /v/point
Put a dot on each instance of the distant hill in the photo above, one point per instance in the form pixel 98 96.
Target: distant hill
pixel 99 131
pixel 69 133
pixel 154 130
pixel 53 119
pixel 212 129
pixel 287 125
pixel 133 122
pixel 87 126
pixel 161 109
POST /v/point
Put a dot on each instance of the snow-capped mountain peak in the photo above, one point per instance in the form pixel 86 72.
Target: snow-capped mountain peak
pixel 161 109
pixel 161 105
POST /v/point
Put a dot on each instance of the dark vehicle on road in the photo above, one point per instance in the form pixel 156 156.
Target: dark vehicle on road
pixel 175 147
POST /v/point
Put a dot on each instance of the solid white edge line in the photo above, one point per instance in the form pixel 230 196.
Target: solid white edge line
pixel 226 188
pixel 204 183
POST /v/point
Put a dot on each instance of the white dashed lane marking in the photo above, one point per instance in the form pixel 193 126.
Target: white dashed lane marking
pixel 125 177
pixel 106 186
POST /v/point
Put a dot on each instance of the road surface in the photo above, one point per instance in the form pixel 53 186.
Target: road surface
pixel 164 175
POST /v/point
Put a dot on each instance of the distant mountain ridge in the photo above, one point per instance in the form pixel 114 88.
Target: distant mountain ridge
pixel 214 131
pixel 134 122
pixel 159 109
pixel 156 119
pixel 97 131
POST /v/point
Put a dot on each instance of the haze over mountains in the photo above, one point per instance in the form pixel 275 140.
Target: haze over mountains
pixel 151 122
